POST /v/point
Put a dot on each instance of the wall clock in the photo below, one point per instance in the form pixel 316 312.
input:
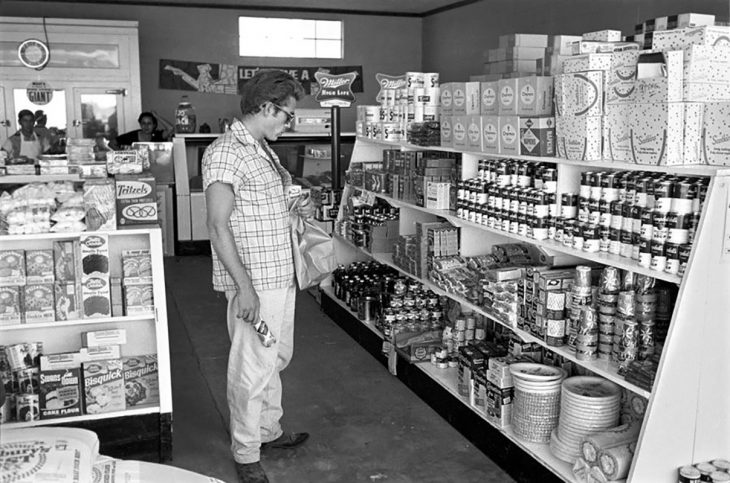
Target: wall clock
pixel 34 53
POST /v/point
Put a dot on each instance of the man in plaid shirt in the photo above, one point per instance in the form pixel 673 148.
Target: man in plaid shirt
pixel 247 195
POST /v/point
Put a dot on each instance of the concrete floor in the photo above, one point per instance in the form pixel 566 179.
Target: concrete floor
pixel 365 425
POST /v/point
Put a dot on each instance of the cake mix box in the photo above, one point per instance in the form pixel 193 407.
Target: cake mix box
pixel 104 386
pixel 535 96
pixel 60 386
pixel 39 266
pixel 509 135
pixel 474 133
pixel 537 136
pixel 490 134
pixel 489 98
pixel 579 138
pixel 617 133
pixel 94 251
pixel 141 383
pixel 10 310
pixel 716 134
pixel 507 96
pixel 136 200
pixel 38 303
pixel 96 297
pixel 136 267
pixel 66 259
pixel 12 267
pixel 579 94
pixel 667 134
pixel 139 299
pixel 67 300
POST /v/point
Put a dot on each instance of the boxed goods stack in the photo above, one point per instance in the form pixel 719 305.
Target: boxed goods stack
pixel 517 55
pixel 424 178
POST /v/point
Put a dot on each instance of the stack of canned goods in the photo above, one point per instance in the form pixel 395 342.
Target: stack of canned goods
pixel 509 195
pixel 715 471
pixel 19 371
pixel 357 225
pixel 394 304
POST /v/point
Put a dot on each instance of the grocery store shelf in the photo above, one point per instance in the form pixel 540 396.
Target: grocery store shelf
pixel 79 322
pixel 446 378
pixel 685 170
pixel 37 178
pixel 86 417
pixel 75 234
pixel 598 257
pixel 330 291
pixel 602 368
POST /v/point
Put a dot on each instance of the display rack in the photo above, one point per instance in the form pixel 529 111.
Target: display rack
pixel 146 334
pixel 688 401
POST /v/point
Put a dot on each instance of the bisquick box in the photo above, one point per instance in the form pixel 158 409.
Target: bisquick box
pixel 95 338
pixel 141 380
pixel 10 313
pixel 66 254
pixel 60 386
pixel 507 96
pixel 67 300
pixel 617 133
pixel 38 303
pixel 139 299
pixel 509 135
pixel 716 134
pixel 474 133
pixel 104 386
pixel 603 36
pixel 579 94
pixel 537 136
pixel 458 129
pixel 682 38
pixel 535 96
pixel 579 138
pixel 523 40
pixel 582 63
pixel 136 200
pixel 667 134
pixel 12 267
pixel 490 134
pixel 489 98
pixel 39 266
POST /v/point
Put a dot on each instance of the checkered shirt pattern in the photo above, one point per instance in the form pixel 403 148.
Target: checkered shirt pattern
pixel 260 220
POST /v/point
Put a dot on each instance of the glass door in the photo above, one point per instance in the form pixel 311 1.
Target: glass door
pixel 49 108
pixel 97 112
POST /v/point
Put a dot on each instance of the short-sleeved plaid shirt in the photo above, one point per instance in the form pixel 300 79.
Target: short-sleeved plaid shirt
pixel 260 220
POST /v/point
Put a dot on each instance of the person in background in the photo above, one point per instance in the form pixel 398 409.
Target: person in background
pixel 41 119
pixel 148 132
pixel 25 142
pixel 247 195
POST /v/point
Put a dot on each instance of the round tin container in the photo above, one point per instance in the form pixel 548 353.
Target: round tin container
pixel 678 226
pixel 658 256
pixel 683 196
pixel 663 190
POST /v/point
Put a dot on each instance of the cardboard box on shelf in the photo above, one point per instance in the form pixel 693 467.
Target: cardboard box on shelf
pixel 617 133
pixel 579 138
pixel 509 135
pixel 523 40
pixel 39 266
pixel 584 62
pixel 446 99
pixel 10 310
pixel 66 254
pixel 535 96
pixel 136 200
pixel 595 47
pixel 447 132
pixel 438 195
pixel 716 134
pixel 466 98
pixel 474 133
pixel 537 136
pixel 579 94
pixel 563 44
pixel 507 96
pixel 95 338
pixel 489 98
pixel 38 303
pixel 12 267
pixel 490 134
pixel 681 38
pixel 103 386
pixel 60 386
pixel 693 20
pixel 659 77
pixel 666 134
pixel 603 36
pixel 141 382
pixel 459 131
pixel 621 78
pixel 138 299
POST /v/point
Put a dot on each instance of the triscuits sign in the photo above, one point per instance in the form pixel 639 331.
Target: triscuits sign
pixel 39 93
pixel 335 90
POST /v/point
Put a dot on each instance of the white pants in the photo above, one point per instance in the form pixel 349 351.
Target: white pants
pixel 254 385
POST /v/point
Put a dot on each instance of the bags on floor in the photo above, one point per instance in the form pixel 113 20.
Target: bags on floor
pixel 313 251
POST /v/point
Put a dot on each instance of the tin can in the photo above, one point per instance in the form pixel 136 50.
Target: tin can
pixel 28 380
pixel 555 332
pixel 616 209
pixel 645 253
pixel 627 243
pixel 678 226
pixel 604 239
pixel 569 227
pixel 569 205
pixel 559 230
pixel 672 253
pixel 658 256
pixel 591 242
pixel 705 469
pixel 663 190
pixel 660 230
pixel 614 244
pixel 688 474
pixel 625 303
pixel 594 213
pixel 684 252
pixel 719 477
pixel 550 180
pixel 27 407
pixel 596 180
pixel 585 184
pixel 578 238
pixel 683 196
pixel 641 196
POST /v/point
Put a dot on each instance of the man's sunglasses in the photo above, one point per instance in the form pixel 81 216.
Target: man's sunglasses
pixel 289 115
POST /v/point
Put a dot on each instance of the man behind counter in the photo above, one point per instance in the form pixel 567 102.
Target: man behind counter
pixel 25 142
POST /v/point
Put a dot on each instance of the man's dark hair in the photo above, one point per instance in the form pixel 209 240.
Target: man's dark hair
pixel 269 86
pixel 25 112
pixel 147 114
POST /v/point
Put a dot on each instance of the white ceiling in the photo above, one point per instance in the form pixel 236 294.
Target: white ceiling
pixel 387 7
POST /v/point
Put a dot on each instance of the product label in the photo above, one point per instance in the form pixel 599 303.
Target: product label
pixel 506 95
pixel 489 97
pixel 509 133
pixel 527 95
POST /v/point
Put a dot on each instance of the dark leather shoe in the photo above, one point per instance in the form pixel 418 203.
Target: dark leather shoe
pixel 286 441
pixel 251 473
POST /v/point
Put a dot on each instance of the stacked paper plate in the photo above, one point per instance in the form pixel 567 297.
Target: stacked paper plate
pixel 537 400
pixel 588 404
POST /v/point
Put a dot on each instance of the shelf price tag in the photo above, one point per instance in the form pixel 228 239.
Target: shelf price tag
pixel 335 90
